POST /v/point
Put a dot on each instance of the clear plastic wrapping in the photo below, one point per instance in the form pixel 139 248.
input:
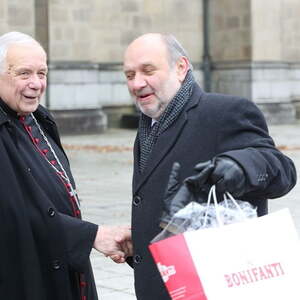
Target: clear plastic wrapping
pixel 196 216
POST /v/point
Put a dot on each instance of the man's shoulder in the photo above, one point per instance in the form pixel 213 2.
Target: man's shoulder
pixel 219 101
pixel 223 98
pixel 210 98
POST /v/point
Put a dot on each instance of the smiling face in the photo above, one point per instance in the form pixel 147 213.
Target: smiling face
pixel 23 81
pixel 151 80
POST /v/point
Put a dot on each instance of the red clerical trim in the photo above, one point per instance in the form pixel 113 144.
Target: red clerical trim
pixel 76 212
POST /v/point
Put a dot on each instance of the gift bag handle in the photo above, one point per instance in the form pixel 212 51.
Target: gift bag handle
pixel 229 196
pixel 212 194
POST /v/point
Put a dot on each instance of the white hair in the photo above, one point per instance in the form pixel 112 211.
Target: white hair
pixel 10 38
pixel 175 49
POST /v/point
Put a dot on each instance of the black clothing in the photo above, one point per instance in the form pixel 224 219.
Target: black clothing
pixel 209 125
pixel 44 246
pixel 148 134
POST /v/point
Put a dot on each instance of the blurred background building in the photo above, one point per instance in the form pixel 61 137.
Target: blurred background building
pixel 249 48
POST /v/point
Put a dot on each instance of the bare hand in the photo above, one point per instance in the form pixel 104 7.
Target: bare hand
pixel 114 241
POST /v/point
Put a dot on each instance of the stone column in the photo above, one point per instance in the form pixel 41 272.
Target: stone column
pixel 256 53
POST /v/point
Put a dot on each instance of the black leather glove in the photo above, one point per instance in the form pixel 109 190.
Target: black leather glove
pixel 227 175
pixel 176 196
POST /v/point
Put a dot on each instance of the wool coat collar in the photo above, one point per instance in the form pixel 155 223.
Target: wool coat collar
pixel 165 141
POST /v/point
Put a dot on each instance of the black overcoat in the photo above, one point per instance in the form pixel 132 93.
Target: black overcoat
pixel 209 125
pixel 42 247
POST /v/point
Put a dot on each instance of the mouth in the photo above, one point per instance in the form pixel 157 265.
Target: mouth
pixel 144 97
pixel 30 97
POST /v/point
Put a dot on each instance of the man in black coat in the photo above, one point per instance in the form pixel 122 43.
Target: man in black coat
pixel 45 245
pixel 181 123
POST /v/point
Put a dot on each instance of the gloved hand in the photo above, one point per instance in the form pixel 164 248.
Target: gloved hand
pixel 176 196
pixel 227 175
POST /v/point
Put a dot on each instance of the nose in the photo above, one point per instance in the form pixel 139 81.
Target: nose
pixel 139 82
pixel 35 82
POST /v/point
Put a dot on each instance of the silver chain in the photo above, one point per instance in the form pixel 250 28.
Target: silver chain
pixel 64 175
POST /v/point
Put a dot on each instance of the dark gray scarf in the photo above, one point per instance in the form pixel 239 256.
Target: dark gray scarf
pixel 148 135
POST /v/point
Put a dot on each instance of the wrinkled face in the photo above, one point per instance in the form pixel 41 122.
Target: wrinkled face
pixel 23 81
pixel 151 81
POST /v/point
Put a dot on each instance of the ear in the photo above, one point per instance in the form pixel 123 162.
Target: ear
pixel 182 66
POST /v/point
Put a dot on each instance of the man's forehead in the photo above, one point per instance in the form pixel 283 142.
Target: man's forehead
pixel 19 55
pixel 149 43
pixel 19 51
pixel 142 55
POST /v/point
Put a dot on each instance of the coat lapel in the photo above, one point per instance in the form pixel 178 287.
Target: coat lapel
pixel 136 155
pixel 164 143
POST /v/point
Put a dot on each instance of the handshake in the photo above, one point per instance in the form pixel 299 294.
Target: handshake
pixel 114 241
pixel 222 171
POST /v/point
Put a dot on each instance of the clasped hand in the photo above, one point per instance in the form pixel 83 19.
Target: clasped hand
pixel 115 242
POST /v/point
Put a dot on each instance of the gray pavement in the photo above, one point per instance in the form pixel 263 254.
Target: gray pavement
pixel 102 167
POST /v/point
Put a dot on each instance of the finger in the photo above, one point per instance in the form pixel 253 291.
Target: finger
pixel 203 165
pixel 124 247
pixel 199 179
pixel 117 259
pixel 130 248
pixel 127 248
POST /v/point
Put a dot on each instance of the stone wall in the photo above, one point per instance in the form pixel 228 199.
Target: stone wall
pixel 17 16
pixel 230 30
pixel 99 31
pixel 254 47
pixel 87 85
pixel 273 86
pixel 290 30
pixel 262 62
pixel 266 30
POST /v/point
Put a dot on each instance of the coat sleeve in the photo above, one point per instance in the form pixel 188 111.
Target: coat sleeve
pixel 80 236
pixel 243 136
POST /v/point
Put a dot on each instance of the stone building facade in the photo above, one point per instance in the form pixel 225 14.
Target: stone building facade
pixel 256 53
pixel 252 47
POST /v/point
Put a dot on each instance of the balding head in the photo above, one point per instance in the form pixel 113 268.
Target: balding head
pixel 155 70
pixel 174 49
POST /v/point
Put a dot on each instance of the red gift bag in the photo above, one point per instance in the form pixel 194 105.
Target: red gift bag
pixel 252 260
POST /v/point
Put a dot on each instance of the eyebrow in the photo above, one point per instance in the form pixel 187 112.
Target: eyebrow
pixel 29 69
pixel 143 66
pixel 128 71
pixel 149 66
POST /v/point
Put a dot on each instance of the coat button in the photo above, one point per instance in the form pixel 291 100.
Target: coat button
pixel 51 212
pixel 137 259
pixel 55 265
pixel 137 200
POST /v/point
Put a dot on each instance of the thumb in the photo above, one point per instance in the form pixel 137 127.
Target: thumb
pixel 203 165
pixel 197 181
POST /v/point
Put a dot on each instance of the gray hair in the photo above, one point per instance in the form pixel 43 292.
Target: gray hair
pixel 10 38
pixel 175 50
